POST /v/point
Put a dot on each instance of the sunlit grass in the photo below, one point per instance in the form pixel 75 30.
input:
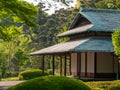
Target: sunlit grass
pixel 10 79
pixel 102 85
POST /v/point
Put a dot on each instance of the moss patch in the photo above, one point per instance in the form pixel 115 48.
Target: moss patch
pixel 104 85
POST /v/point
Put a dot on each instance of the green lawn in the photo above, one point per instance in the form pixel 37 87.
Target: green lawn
pixel 104 85
pixel 11 79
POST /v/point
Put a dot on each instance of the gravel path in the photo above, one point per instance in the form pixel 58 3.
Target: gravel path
pixel 5 84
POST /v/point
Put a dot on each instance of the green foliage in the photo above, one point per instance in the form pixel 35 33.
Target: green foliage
pixel 9 33
pixel 18 37
pixel 99 85
pixel 53 25
pixel 10 79
pixel 30 74
pixel 14 41
pixel 18 10
pixel 108 4
pixel 49 27
pixel 115 87
pixel 14 48
pixel 64 29
pixel 116 42
pixel 51 83
pixel 104 85
pixel 89 3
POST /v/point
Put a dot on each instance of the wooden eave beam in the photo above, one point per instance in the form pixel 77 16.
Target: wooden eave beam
pixel 55 54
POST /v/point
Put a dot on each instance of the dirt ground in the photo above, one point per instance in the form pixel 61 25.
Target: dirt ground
pixel 6 84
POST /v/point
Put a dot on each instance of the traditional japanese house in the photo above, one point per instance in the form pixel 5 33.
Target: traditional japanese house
pixel 90 48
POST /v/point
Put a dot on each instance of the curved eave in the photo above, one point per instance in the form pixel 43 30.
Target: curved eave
pixel 92 44
pixel 76 30
pixel 59 48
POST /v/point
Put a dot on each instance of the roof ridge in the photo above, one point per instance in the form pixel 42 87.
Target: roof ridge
pixel 99 10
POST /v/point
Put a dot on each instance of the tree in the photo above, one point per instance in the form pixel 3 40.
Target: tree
pixel 18 37
pixel 109 4
pixel 88 3
pixel 15 40
pixel 18 11
pixel 116 42
pixel 51 25
pixel 14 51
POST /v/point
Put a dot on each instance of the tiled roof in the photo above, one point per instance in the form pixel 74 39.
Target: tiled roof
pixel 93 44
pixel 76 30
pixel 103 20
pixel 59 48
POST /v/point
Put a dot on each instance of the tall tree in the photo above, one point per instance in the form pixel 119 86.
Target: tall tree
pixel 15 48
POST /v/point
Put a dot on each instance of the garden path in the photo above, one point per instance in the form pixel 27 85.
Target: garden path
pixel 6 84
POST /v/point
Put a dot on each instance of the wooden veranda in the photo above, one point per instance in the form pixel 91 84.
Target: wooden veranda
pixel 63 57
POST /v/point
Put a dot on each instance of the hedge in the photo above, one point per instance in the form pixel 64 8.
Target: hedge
pixel 51 83
pixel 30 74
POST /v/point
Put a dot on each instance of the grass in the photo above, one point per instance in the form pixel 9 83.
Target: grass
pixel 11 79
pixel 103 85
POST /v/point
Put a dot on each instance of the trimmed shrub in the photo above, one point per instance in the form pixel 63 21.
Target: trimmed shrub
pixel 51 83
pixel 30 74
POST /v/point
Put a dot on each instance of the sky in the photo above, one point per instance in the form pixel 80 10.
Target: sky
pixel 32 1
pixel 55 6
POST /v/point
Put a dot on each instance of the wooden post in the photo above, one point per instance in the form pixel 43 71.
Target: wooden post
pixel 113 62
pixel 65 65
pixel 95 64
pixel 43 65
pixel 53 65
pixel 70 65
pixel 60 65
pixel 79 64
pixel 117 67
pixel 85 64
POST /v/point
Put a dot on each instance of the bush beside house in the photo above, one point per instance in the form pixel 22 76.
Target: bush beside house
pixel 30 74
